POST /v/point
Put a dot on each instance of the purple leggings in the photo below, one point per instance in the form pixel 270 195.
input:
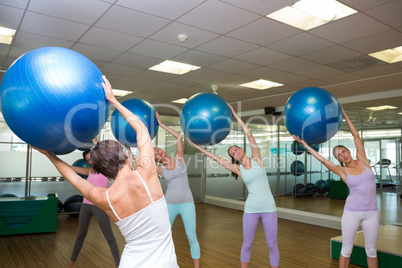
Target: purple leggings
pixel 270 223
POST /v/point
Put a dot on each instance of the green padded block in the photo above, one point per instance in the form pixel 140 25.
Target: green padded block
pixel 338 190
pixel 19 216
pixel 358 257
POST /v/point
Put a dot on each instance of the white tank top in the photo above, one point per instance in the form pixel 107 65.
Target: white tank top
pixel 148 236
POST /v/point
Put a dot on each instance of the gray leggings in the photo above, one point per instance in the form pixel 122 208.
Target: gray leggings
pixel 104 222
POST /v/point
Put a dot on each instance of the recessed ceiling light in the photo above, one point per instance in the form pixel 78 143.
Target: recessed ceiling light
pixel 380 108
pixel 261 84
pixel 182 100
pixel 6 35
pixel 389 55
pixel 174 67
pixel 308 14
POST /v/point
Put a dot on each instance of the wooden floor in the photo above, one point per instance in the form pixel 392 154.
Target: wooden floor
pixel 219 233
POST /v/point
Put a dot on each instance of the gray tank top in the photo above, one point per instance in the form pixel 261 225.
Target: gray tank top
pixel 178 189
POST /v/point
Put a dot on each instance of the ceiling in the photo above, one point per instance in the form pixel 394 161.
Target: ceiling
pixel 231 40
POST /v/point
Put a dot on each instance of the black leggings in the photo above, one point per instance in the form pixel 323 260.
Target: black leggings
pixel 104 222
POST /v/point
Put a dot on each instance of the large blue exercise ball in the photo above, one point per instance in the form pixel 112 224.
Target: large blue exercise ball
pixel 82 163
pixel 206 119
pixel 52 98
pixel 123 132
pixel 313 114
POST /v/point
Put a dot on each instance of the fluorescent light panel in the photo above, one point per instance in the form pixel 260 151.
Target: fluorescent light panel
pixel 174 67
pixel 261 84
pixel 6 35
pixel 308 14
pixel 381 108
pixel 389 55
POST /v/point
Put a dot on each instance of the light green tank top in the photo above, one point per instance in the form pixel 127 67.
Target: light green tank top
pixel 260 198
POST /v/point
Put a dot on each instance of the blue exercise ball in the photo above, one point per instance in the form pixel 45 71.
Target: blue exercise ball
pixel 311 188
pixel 297 148
pixel 299 188
pixel 322 186
pixel 82 163
pixel 52 98
pixel 73 203
pixel 8 195
pixel 313 114
pixel 123 132
pixel 206 118
pixel 315 147
pixel 297 168
pixel 59 206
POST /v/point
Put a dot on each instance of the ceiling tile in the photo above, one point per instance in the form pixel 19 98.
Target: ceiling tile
pixel 217 17
pixel 263 73
pixel 349 28
pixel 226 46
pixel 157 49
pixel 96 53
pixel 332 54
pixel 33 41
pixel 170 33
pixel 306 43
pixel 263 31
pixel 72 10
pixel 161 8
pixel 198 58
pixel 15 3
pixel 129 21
pixel 293 64
pixel 376 42
pixel 52 27
pixel 232 66
pixel 10 17
pixel 135 60
pixel 109 39
pixel 263 56
pixel 120 69
pixel 318 72
pixel 388 13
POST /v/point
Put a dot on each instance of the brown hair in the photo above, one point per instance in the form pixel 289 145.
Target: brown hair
pixel 333 152
pixel 235 175
pixel 84 153
pixel 108 157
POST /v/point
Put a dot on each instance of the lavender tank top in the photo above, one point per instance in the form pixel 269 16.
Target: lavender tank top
pixel 362 188
pixel 178 189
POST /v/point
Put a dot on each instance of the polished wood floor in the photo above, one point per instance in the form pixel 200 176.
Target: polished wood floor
pixel 219 233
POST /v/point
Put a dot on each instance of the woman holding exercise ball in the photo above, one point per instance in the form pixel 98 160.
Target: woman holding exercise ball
pixel 135 201
pixel 88 209
pixel 361 204
pixel 260 203
pixel 178 195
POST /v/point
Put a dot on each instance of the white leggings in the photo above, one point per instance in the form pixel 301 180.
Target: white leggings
pixel 350 224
